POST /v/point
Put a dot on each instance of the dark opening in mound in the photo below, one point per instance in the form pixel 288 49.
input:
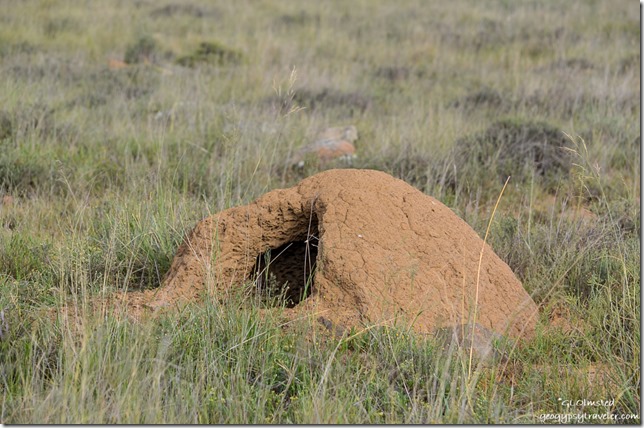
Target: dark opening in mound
pixel 285 274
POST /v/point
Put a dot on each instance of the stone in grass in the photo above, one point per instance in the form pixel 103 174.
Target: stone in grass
pixel 331 144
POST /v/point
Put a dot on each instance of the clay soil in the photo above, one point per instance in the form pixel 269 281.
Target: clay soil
pixel 351 248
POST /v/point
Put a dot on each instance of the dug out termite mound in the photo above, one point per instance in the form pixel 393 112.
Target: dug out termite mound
pixel 355 247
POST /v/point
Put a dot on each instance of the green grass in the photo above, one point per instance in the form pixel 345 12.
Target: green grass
pixel 108 169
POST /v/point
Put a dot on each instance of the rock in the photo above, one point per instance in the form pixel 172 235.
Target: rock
pixel 116 64
pixel 7 201
pixel 332 143
pixel 379 251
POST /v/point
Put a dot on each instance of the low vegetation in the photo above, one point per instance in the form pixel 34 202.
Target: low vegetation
pixel 122 126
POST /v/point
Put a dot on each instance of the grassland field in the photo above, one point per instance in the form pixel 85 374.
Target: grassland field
pixel 123 123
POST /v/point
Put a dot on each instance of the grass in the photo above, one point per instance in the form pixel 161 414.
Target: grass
pixel 103 171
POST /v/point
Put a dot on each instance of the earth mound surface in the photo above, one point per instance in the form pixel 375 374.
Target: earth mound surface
pixel 354 247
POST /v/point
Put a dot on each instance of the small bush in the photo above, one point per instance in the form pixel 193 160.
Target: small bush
pixel 344 103
pixel 394 73
pixel 300 19
pixel 6 126
pixel 143 50
pixel 213 53
pixel 628 63
pixel 33 120
pixel 101 87
pixel 408 163
pixel 174 9
pixel 570 64
pixel 483 98
pixel 22 257
pixel 626 153
pixel 516 148
pixel 22 174
pixel 54 27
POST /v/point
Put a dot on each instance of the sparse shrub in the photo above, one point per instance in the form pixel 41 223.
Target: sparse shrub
pixel 37 122
pixel 21 256
pixel 214 53
pixel 570 64
pixel 627 152
pixel 138 260
pixel 627 215
pixel 36 119
pixel 518 148
pixel 173 9
pixel 51 67
pixel 103 206
pixel 575 254
pixel 101 87
pixel 344 103
pixel 486 98
pixel 23 47
pixel 562 101
pixel 21 174
pixel 143 50
pixel 628 63
pixel 302 18
pixel 55 26
pixel 6 126
pixel 89 100
pixel 408 163
pixel 393 73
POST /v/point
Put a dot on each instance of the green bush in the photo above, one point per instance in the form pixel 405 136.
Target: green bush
pixel 519 148
pixel 143 50
pixel 213 53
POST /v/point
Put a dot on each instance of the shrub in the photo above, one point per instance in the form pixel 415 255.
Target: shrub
pixel 6 127
pixel 512 147
pixel 485 98
pixel 213 53
pixel 142 50
pixel 325 99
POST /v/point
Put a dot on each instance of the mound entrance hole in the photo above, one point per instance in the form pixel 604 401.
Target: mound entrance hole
pixel 284 275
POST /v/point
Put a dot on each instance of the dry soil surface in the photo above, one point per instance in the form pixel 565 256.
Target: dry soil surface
pixel 355 248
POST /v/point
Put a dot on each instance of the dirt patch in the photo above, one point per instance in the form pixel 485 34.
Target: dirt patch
pixel 367 248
